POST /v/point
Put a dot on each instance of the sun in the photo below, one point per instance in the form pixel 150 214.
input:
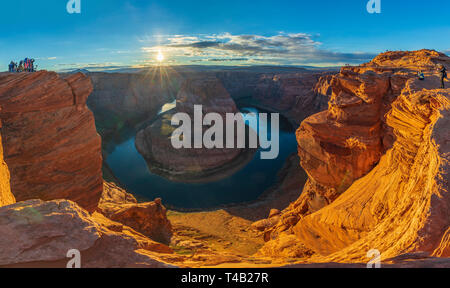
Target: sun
pixel 160 56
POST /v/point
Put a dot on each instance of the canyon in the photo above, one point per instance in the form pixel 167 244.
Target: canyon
pixel 373 140
pixel 135 96
pixel 156 141
pixel 218 90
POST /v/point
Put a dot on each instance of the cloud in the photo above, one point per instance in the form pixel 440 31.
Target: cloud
pixel 197 45
pixel 227 59
pixel 221 60
pixel 282 48
pixel 46 58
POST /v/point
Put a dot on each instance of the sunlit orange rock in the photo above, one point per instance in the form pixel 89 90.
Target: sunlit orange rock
pixel 378 165
pixel 6 197
pixel 49 139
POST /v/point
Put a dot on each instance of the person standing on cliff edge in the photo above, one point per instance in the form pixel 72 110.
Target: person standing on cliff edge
pixel 11 67
pixel 443 73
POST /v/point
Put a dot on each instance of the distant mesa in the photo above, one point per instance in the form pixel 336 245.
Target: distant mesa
pixel 84 71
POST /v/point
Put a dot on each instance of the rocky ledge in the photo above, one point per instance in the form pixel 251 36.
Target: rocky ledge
pixel 149 218
pixel 40 234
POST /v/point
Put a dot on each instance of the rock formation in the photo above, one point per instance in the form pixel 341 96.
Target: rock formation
pixel 114 195
pixel 295 95
pixel 6 197
pixel 40 234
pixel 49 139
pixel 133 93
pixel 127 233
pixel 378 166
pixel 121 99
pixel 377 162
pixel 191 165
pixel 148 218
pixel 53 151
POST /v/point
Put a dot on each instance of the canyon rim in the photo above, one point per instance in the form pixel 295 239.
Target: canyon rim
pixel 379 151
pixel 225 134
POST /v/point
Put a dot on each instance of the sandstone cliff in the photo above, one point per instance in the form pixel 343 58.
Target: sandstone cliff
pixel 6 197
pixel 294 95
pixel 49 139
pixel 390 131
pixel 53 152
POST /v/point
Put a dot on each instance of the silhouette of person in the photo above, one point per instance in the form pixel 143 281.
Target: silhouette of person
pixel 443 73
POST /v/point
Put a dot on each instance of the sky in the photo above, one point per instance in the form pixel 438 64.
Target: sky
pixel 108 34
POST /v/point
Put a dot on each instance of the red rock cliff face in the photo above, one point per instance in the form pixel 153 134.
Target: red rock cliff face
pixel 50 143
pixel 6 197
pixel 378 166
pixel 345 142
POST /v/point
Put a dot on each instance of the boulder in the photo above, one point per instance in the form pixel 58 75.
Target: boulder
pixel 148 218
